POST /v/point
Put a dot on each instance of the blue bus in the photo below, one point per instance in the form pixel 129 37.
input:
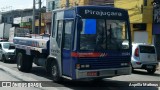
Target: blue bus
pixel 86 42
pixel 90 42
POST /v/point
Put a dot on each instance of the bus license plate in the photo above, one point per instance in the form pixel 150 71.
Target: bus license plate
pixel 91 73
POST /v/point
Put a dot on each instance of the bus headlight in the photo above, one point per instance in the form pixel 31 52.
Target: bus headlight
pixel 124 64
pixel 82 66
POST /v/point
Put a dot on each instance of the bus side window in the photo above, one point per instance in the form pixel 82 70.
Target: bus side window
pixel 59 32
pixel 67 34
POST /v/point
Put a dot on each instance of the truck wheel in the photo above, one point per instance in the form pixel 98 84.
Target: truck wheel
pixel 151 71
pixel 55 72
pixel 24 62
pixel 4 59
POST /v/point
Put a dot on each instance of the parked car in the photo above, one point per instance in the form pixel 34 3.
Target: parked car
pixel 144 57
pixel 7 51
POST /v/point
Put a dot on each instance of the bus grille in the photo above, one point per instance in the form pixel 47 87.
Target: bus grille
pixel 104 63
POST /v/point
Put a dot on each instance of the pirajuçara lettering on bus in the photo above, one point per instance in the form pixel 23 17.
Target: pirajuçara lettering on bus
pixel 102 13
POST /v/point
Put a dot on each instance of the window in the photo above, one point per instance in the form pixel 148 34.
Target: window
pixel 8 46
pixel 51 5
pixel 140 26
pixel 145 2
pixel 67 34
pixel 101 34
pixel 54 25
pixel 147 49
pixel 59 32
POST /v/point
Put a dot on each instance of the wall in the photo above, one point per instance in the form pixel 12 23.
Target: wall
pixel 148 12
pixel 137 11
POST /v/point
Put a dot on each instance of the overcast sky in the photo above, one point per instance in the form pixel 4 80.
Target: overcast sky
pixel 6 5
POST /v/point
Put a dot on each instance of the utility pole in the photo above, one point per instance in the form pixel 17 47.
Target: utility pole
pixel 67 3
pixel 33 21
pixel 39 31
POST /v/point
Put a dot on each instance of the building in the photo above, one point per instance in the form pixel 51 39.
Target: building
pixel 50 5
pixel 23 18
pixel 85 2
pixel 8 16
pixel 141 18
pixel 47 20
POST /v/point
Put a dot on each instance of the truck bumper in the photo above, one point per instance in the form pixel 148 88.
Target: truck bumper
pixel 104 73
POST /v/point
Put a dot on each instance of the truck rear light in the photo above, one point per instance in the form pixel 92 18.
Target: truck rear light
pixel 138 63
pixel 136 52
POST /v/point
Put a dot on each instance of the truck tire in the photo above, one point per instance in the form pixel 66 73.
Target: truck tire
pixel 24 62
pixel 55 72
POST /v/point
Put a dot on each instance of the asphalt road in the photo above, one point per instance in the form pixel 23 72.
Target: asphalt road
pixel 9 72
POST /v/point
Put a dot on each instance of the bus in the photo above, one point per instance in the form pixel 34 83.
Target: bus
pixel 90 42
pixel 86 42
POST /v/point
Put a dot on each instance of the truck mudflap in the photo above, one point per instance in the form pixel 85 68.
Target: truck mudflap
pixel 82 74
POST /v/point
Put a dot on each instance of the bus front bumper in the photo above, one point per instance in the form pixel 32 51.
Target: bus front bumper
pixel 104 73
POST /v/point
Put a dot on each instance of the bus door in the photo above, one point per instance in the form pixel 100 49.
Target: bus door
pixel 66 48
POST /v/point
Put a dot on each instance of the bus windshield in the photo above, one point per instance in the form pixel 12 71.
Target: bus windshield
pixel 101 34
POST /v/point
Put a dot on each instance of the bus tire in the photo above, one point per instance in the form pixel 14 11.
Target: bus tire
pixel 55 72
pixel 24 62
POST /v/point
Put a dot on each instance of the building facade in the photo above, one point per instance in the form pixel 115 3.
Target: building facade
pixel 85 2
pixel 8 17
pixel 141 18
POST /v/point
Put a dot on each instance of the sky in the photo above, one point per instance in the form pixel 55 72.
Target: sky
pixel 6 5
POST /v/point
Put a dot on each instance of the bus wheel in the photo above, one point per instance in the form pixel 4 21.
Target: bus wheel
pixel 24 62
pixel 55 72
